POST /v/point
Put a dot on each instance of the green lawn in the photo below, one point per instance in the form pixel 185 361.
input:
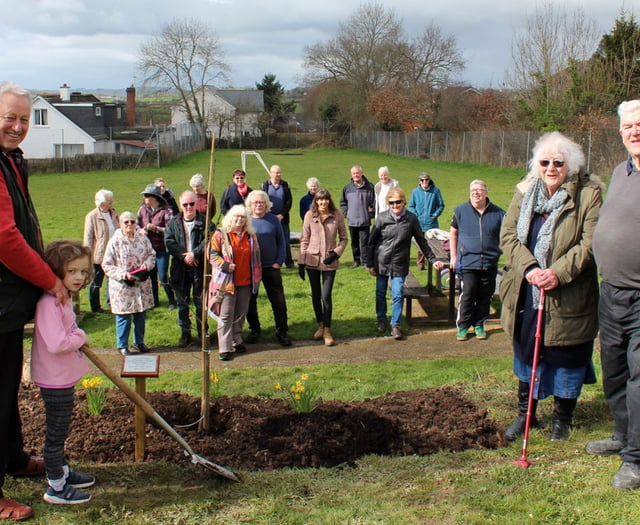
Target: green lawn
pixel 563 486
pixel 62 200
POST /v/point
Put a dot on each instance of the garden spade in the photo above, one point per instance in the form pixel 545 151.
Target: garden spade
pixel 138 400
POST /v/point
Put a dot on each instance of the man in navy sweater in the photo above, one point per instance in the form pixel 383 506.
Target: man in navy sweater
pixel 475 249
pixel 272 254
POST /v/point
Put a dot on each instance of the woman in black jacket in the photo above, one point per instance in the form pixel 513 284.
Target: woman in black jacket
pixel 389 250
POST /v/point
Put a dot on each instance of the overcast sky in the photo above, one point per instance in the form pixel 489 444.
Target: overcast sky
pixel 93 44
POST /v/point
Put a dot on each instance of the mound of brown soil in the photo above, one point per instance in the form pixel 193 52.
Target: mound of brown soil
pixel 262 434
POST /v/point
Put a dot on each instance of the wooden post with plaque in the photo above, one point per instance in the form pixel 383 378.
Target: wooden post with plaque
pixel 140 366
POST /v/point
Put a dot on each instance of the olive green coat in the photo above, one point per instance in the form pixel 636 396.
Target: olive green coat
pixel 571 309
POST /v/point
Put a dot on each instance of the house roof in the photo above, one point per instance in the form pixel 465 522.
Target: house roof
pixel 246 100
pixel 75 98
pixel 137 143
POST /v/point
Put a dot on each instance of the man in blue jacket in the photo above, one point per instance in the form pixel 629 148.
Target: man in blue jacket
pixel 357 204
pixel 427 204
pixel 272 254
pixel 475 249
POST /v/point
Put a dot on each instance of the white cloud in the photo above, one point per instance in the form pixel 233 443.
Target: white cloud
pixel 92 43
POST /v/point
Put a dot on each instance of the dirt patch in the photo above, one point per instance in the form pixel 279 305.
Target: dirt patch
pixel 263 434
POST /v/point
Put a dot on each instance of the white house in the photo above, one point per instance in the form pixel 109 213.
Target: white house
pixel 70 124
pixel 229 113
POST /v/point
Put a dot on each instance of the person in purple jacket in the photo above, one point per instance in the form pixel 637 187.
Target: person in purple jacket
pixel 57 364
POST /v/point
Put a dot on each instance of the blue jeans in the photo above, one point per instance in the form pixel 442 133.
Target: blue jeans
pixel 397 298
pixel 288 260
pixel 160 272
pixel 123 327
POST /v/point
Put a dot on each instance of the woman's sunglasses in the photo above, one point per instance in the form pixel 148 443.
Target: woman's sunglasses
pixel 556 163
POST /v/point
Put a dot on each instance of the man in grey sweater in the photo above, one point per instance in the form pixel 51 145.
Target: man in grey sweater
pixel 616 247
pixel 357 204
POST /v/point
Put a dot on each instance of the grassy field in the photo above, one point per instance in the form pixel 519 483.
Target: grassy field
pixel 62 200
pixel 563 486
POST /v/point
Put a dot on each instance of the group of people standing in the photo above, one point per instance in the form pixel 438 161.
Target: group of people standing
pixel 160 246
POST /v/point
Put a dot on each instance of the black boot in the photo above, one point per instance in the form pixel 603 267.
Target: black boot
pixel 562 416
pixel 517 428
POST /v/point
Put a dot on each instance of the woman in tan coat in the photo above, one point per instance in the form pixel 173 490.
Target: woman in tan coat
pixel 324 239
pixel 99 225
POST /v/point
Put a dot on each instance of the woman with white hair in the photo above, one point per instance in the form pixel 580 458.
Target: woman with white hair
pixel 313 184
pixel 546 237
pixel 205 199
pixel 382 187
pixel 236 272
pixel 99 225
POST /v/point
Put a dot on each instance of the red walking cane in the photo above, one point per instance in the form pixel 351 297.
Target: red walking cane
pixel 523 461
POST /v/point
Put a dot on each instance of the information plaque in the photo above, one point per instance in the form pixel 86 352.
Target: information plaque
pixel 147 365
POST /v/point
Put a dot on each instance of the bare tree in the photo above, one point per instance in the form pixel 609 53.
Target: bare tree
pixel 552 39
pixel 431 59
pixel 365 52
pixel 371 55
pixel 186 56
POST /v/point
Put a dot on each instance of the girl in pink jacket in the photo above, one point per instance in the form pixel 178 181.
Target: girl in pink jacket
pixel 56 366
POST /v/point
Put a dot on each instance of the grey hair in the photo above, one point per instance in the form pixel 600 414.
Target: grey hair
pixel 383 169
pixel 313 180
pixel 9 87
pixel 628 106
pixel 227 220
pixel 556 142
pixel 259 193
pixel 103 196
pixel 126 214
pixel 196 180
pixel 190 194
pixel 478 181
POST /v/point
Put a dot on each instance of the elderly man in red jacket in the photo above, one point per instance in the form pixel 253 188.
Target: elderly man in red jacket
pixel 23 277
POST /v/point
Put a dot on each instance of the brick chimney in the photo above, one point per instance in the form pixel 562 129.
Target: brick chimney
pixel 131 107
pixel 65 93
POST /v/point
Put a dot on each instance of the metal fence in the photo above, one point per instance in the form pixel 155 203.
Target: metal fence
pixel 603 148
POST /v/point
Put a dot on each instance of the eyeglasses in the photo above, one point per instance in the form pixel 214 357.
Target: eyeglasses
pixel 395 203
pixel 129 222
pixel 424 180
pixel 556 163
pixel 185 204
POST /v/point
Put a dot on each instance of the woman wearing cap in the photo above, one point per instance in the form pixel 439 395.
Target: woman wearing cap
pixel 153 217
pixel 426 203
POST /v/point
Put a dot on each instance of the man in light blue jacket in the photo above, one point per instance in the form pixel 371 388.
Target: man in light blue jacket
pixel 426 203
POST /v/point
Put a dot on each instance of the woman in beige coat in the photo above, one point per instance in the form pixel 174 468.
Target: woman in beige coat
pixel 99 225
pixel 324 238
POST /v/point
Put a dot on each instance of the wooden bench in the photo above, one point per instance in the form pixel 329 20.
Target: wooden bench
pixel 412 290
